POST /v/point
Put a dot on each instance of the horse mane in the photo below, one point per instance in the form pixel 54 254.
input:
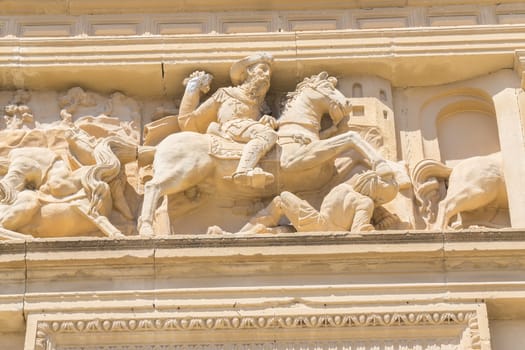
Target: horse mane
pixel 107 154
pixel 309 82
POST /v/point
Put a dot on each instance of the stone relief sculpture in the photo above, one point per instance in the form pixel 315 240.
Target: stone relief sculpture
pixel 78 173
pixel 196 84
pixel 474 184
pixel 64 178
pixel 186 160
pixel 17 114
pixel 347 207
pixel 234 113
pixel 41 195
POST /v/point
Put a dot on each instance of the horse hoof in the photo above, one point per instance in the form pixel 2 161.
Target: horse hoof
pixel 117 235
pixel 146 231
pixel 145 228
pixel 215 230
pixel 146 234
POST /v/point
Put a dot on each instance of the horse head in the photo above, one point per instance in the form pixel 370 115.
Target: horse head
pixel 313 97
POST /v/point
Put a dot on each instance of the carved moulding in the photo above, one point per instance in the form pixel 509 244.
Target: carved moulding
pixel 443 327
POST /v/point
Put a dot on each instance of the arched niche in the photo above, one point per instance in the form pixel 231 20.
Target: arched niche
pixel 466 129
pixel 459 124
pixel 357 90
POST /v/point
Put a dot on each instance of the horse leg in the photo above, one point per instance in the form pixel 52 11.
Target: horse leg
pixel 152 195
pixel 178 180
pixel 100 221
pixel 181 162
pixel 458 201
pixel 447 208
pixel 158 187
pixel 322 151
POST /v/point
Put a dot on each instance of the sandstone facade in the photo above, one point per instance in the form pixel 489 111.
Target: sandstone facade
pixel 215 175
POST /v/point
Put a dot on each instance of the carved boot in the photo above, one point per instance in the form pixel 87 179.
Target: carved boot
pixel 249 175
pixel 255 177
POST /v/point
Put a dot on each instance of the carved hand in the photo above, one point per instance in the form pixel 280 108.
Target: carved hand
pixel 270 121
pixel 198 80
pixel 328 132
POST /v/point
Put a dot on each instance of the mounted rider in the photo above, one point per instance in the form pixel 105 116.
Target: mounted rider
pixel 235 113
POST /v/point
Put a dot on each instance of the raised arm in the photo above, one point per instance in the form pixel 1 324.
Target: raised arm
pixel 196 84
pixel 200 119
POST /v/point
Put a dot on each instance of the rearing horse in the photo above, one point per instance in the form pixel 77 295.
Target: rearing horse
pixel 183 160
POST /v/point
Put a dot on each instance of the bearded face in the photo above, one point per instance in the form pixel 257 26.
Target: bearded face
pixel 258 79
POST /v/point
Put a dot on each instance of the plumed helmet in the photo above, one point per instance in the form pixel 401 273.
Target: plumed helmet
pixel 238 70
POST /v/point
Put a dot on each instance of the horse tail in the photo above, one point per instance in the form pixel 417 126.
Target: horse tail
pixel 428 179
pixel 108 154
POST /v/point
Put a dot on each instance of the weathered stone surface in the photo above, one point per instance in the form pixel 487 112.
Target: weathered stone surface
pixel 367 158
pixel 219 275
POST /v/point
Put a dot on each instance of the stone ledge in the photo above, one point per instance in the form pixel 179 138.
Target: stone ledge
pixel 240 240
pixel 215 272
pixel 77 7
pixel 155 66
pixel 194 259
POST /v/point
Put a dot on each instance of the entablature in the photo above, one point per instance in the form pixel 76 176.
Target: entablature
pixel 154 66
pixel 78 7
pixel 312 274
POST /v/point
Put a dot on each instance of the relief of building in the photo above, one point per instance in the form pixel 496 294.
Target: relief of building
pixel 214 175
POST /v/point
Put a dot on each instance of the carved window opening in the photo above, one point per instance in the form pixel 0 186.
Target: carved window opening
pixel 382 95
pixel 357 90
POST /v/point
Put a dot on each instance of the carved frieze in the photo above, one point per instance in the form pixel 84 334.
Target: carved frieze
pixel 441 328
pixel 235 160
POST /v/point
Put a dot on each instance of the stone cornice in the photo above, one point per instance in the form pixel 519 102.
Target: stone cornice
pixel 335 15
pixel 157 65
pixel 77 7
pixel 189 258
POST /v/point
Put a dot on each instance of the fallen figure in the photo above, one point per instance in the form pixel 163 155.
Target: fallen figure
pixel 349 206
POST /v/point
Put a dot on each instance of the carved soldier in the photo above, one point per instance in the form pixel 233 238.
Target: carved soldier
pixel 18 115
pixel 235 113
pixel 347 207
